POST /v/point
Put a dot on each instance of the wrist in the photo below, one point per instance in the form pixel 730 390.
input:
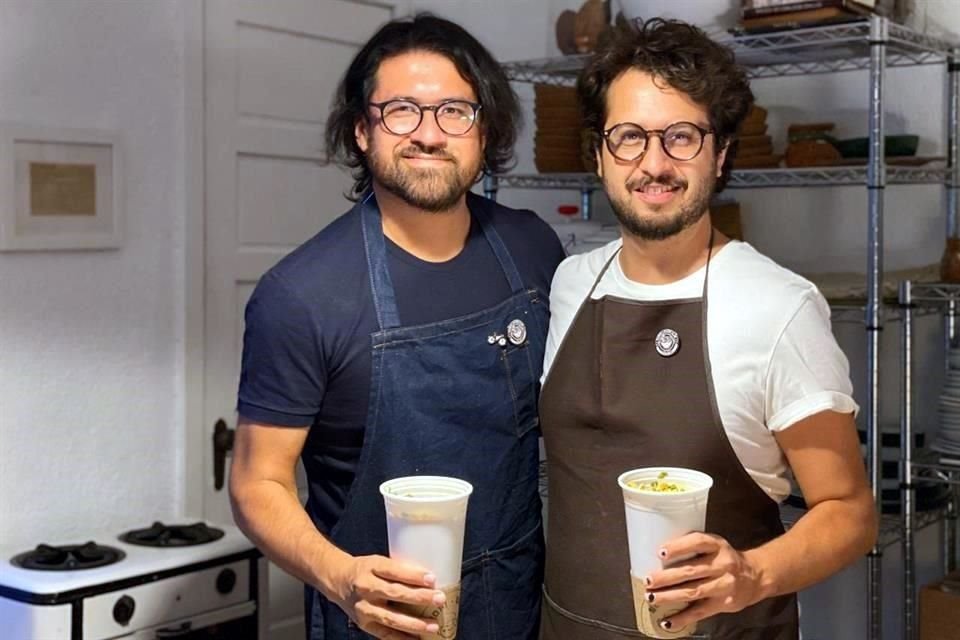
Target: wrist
pixel 330 570
pixel 763 574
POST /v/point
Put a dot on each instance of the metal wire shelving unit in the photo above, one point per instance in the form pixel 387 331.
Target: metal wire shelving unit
pixel 873 44
pixel 923 465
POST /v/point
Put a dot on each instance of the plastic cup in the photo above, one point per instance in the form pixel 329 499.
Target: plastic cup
pixel 654 518
pixel 425 523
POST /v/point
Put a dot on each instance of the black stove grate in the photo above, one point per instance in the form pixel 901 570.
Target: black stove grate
pixel 174 535
pixel 69 557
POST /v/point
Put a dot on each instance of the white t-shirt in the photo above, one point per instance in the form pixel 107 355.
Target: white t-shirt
pixel 772 353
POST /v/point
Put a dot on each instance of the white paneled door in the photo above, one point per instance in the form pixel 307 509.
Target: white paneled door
pixel 270 70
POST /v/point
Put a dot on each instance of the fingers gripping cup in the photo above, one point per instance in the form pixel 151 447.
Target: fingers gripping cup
pixel 661 503
pixel 425 523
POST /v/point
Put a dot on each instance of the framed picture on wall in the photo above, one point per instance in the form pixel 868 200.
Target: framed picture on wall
pixel 59 189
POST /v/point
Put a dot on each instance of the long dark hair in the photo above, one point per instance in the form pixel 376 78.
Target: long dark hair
pixel 685 58
pixel 499 119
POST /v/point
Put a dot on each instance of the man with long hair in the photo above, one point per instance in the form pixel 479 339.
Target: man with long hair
pixel 406 338
pixel 643 372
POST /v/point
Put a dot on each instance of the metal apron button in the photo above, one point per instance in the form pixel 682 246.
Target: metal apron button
pixel 668 342
pixel 517 332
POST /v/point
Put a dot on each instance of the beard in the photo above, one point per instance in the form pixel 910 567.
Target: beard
pixel 658 226
pixel 432 189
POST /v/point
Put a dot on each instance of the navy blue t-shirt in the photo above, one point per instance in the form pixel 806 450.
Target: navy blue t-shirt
pixel 307 349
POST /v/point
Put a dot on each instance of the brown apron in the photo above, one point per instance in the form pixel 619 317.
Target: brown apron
pixel 619 396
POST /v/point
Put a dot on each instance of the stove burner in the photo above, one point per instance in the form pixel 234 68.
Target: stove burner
pixel 183 535
pixel 70 557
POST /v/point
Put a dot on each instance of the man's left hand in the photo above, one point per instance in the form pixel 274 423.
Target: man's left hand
pixel 711 575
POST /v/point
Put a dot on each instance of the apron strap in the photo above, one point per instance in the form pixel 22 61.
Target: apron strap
pixel 381 286
pixel 596 282
pixel 706 273
pixel 384 295
pixel 479 211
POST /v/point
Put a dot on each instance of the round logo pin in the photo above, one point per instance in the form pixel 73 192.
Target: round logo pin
pixel 517 332
pixel 668 342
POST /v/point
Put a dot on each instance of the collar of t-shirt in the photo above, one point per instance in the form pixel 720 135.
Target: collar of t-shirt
pixel 465 256
pixel 690 286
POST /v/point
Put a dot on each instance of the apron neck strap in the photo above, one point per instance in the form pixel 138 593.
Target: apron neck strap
pixel 478 209
pixel 706 269
pixel 381 286
pixel 706 273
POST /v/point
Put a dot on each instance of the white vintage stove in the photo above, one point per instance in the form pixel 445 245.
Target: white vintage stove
pixel 188 582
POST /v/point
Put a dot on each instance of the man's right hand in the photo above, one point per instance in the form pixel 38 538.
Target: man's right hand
pixel 369 586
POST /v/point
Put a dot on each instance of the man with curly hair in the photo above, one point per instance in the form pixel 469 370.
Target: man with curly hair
pixel 406 338
pixel 676 346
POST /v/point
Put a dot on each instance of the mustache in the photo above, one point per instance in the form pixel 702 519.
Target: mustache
pixel 664 181
pixel 415 151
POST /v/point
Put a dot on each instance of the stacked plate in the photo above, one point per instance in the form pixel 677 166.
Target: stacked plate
pixel 557 143
pixel 948 409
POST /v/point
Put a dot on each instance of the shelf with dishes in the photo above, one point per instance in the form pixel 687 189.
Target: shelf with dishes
pixel 822 49
pixel 942 458
pixel 938 463
pixel 931 500
pixel 891 526
pixel 741 179
pixel 832 48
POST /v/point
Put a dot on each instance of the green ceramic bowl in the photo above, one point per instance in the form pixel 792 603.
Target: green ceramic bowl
pixel 902 145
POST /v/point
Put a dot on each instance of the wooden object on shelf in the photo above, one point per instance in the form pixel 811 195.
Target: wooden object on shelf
pixel 768 161
pixel 810 145
pixel 811 153
pixel 805 13
pixel 557 142
pixel 566 25
pixel 725 216
pixel 940 608
pixel 808 130
pixel 798 19
pixel 761 8
pixel 950 262
pixel 753 128
pixel 592 19
pixel 754 147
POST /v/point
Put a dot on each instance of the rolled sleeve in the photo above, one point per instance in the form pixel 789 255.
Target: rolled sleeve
pixel 808 372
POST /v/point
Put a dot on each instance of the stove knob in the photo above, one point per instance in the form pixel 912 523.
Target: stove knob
pixel 226 581
pixel 123 610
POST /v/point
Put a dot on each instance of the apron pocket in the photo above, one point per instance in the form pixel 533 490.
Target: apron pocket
pixel 522 382
pixel 500 594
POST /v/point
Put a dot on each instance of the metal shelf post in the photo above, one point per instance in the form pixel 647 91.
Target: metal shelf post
pixel 491 184
pixel 906 462
pixel 876 178
pixel 586 205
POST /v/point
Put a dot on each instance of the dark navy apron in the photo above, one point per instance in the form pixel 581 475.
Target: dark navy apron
pixel 456 398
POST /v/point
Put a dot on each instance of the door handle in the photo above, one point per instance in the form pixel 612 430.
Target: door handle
pixel 222 444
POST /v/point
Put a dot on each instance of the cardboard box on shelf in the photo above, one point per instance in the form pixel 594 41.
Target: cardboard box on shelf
pixel 940 608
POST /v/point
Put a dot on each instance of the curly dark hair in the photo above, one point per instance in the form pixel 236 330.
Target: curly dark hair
pixel 685 58
pixel 499 119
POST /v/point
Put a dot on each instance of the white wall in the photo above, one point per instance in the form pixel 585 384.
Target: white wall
pixel 91 369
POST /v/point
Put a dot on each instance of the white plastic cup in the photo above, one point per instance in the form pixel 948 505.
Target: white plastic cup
pixel 654 518
pixel 425 525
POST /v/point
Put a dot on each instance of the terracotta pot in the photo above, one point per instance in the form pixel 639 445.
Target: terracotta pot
pixel 950 262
